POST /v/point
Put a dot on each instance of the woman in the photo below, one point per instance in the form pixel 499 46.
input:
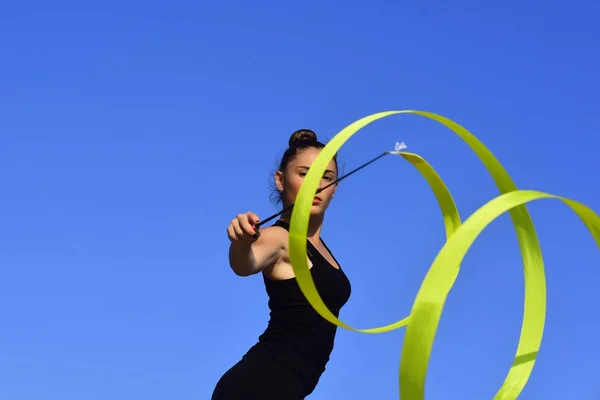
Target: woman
pixel 291 355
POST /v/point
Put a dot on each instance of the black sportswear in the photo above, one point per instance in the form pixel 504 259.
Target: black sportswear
pixel 291 354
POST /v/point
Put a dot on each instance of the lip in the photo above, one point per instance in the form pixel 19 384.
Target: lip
pixel 316 199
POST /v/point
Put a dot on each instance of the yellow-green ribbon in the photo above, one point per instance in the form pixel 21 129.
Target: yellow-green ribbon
pixel 421 325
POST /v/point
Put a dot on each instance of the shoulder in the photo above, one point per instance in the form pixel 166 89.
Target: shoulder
pixel 274 235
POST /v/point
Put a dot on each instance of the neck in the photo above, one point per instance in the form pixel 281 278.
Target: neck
pixel 315 223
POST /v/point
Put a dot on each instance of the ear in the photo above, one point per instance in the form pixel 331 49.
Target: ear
pixel 279 180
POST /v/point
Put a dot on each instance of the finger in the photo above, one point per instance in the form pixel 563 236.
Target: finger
pixel 253 218
pixel 230 233
pixel 247 227
pixel 239 233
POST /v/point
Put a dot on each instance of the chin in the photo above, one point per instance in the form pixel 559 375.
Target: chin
pixel 317 210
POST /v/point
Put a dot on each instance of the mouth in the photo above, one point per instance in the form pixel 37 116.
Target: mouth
pixel 316 200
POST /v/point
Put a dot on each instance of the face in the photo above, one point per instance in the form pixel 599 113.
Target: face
pixel 289 184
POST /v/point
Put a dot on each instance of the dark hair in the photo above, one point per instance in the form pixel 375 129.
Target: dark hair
pixel 299 141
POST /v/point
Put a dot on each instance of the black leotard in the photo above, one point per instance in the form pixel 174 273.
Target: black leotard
pixel 291 355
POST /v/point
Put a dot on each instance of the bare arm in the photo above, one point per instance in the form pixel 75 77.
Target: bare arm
pixel 250 251
pixel 247 258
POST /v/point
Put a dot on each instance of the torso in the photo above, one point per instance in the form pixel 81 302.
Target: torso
pixel 297 335
pixel 283 270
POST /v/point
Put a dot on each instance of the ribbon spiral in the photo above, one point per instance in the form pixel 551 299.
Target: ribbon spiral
pixel 421 324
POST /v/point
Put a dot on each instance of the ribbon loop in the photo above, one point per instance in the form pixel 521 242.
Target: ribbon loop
pixel 430 300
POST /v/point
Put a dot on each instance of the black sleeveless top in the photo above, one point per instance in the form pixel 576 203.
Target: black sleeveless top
pixel 296 334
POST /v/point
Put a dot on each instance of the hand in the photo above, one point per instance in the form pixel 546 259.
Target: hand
pixel 242 228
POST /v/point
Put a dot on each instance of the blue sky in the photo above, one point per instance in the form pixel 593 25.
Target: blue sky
pixel 132 132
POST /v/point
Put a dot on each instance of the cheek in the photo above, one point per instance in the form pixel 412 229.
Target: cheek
pixel 294 184
pixel 329 191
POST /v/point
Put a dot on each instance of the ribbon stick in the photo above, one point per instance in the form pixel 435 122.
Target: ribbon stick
pixel 429 302
pixel 397 148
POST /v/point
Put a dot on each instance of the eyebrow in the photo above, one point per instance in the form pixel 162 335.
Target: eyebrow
pixel 326 171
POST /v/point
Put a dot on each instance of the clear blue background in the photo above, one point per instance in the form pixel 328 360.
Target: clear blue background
pixel 132 132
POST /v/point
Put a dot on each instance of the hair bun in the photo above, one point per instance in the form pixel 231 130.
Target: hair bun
pixel 302 135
